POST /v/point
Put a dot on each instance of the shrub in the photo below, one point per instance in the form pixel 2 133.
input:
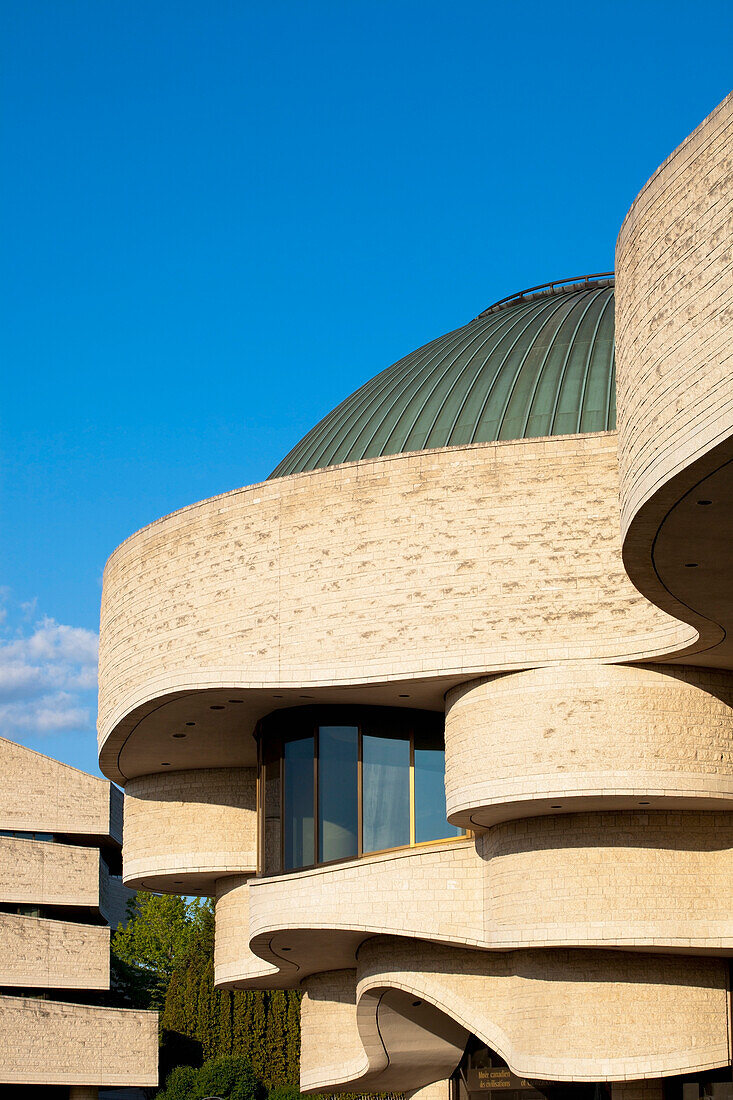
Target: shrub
pixel 179 1084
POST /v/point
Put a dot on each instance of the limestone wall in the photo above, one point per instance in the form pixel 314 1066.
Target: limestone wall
pixel 585 735
pixel 35 872
pixel 41 795
pixel 183 830
pixel 113 897
pixel 653 879
pixel 674 355
pixel 433 892
pixel 331 1049
pixel 439 564
pixel 571 1015
pixel 385 1042
pixel 54 1043
pixel 51 954
pixel 674 313
pixel 234 962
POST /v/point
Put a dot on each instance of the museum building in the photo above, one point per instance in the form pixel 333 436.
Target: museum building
pixel 441 713
pixel 61 891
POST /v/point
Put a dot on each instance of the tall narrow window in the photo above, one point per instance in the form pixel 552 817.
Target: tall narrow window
pixel 298 803
pixel 338 789
pixel 385 792
pixel 431 822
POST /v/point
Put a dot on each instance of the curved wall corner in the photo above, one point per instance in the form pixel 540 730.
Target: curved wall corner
pixel 674 363
pixel 235 964
pixel 383 1043
pixel 184 830
pixel 585 736
pixel 567 1015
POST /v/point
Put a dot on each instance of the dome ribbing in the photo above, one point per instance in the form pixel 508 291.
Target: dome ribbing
pixel 534 365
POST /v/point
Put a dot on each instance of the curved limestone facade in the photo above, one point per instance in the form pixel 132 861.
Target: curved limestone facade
pixel 445 730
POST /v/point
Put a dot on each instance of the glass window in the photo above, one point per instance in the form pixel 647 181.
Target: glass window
pixel 385 792
pixel 431 822
pixel 298 832
pixel 338 790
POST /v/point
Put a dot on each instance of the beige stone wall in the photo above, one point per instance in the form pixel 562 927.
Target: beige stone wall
pixel 53 1043
pixel 572 1015
pixel 654 879
pixel 445 563
pixel 674 356
pixel 432 892
pixel 235 964
pixel 51 954
pixel 113 897
pixel 41 795
pixel 674 313
pixel 183 830
pixel 591 733
pixel 42 873
pixel 385 1042
pixel 331 1049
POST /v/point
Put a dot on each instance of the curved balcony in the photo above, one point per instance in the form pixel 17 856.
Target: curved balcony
pixel 315 920
pixel 674 355
pixel 588 736
pixel 321 584
pixel 184 830
pixel 552 1015
pixel 660 881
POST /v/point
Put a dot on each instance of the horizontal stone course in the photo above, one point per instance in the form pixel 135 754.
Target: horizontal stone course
pixel 53 1043
pixel 36 953
pixel 590 732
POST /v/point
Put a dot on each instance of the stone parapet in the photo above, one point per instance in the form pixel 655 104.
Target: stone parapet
pixel 428 567
pixel 36 953
pixel 42 795
pixel 37 872
pixel 55 1043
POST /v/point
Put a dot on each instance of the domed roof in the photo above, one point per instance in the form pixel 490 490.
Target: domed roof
pixel 539 363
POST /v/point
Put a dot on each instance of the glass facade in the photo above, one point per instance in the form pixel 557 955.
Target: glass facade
pixel 341 782
pixel 298 801
pixel 385 792
pixel 338 804
pixel 431 822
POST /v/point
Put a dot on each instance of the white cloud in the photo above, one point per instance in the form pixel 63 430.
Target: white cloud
pixel 48 672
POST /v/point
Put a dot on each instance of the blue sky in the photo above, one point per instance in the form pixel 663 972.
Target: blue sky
pixel 220 219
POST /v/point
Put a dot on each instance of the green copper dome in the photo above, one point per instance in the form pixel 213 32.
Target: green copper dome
pixel 540 363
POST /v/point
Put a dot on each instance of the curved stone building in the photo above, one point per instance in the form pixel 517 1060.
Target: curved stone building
pixel 61 890
pixel 447 732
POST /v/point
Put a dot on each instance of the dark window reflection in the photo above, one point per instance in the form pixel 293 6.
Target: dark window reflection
pixel 338 789
pixel 298 833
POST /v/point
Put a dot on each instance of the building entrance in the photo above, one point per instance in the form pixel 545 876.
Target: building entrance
pixel 483 1075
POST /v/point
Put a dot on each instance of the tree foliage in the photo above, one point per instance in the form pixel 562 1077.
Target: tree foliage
pixel 157 932
pixel 261 1027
